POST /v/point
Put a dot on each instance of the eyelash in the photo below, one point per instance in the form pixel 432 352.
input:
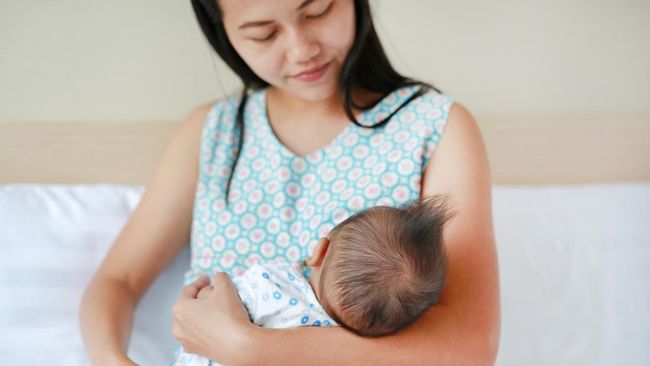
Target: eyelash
pixel 308 17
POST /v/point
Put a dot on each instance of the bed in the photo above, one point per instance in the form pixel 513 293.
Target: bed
pixel 572 229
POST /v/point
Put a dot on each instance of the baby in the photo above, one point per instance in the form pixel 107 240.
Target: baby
pixel 374 274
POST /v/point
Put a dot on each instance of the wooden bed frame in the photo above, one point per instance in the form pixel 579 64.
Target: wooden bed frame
pixel 545 150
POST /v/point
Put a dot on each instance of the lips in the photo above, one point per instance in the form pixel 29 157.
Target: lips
pixel 313 73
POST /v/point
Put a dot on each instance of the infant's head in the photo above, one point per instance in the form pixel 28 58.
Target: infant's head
pixel 380 269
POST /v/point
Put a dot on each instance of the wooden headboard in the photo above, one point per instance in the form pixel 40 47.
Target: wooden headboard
pixel 544 150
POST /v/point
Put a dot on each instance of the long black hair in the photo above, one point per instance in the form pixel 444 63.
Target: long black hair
pixel 366 65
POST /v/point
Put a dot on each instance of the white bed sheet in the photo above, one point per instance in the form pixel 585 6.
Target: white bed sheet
pixel 574 269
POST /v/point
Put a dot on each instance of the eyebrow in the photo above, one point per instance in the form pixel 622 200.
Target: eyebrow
pixel 260 23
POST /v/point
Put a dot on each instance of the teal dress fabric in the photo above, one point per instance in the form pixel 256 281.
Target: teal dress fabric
pixel 280 204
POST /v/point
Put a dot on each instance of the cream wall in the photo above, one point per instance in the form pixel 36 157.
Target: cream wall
pixel 92 60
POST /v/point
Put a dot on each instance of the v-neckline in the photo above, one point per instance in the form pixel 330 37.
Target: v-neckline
pixel 266 121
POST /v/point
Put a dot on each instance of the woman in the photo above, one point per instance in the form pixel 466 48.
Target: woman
pixel 317 87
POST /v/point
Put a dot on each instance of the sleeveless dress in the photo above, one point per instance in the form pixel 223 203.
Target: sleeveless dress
pixel 279 203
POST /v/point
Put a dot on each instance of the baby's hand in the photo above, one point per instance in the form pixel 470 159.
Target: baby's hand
pixel 204 292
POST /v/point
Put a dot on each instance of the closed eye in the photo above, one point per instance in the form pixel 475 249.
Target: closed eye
pixel 327 10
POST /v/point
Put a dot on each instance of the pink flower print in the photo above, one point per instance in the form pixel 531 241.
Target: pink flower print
pixel 203 204
pixel 255 196
pixel 380 116
pixel 385 201
pixel 376 140
pixel 423 108
pixel 271 187
pixel 391 128
pixel 379 168
pixel 210 228
pixel 440 126
pixel 218 243
pixel 293 253
pixel 347 194
pixel 400 194
pixel 330 173
pixel 411 144
pixel 258 235
pixel 240 207
pixel 405 167
pixel 325 229
pixel 243 172
pixel 311 247
pixel 401 136
pixel 386 148
pixel 372 191
pixel 253 259
pixel 235 195
pixel 265 175
pixel 350 140
pixel 224 218
pixel 425 132
pixel 264 211
pixel 370 161
pixel 344 163
pixel 363 181
pixel 200 189
pixel 275 160
pixel 394 156
pixel 200 240
pixel 330 206
pixel 408 117
pixel 279 199
pixel 258 164
pixel 232 231
pixel 283 240
pixel 315 158
pixel 288 214
pixel 340 184
pixel 227 259
pixel 218 205
pixel 238 271
pixel 322 198
pixel 293 190
pixel 273 226
pixel 309 211
pixel 304 238
pixel 225 171
pixel 268 249
pixel 360 152
pixel 339 215
pixel 307 180
pixel 298 166
pixel 206 258
pixel 314 222
pixel 242 246
pixel 434 114
pixel 284 174
pixel 356 203
pixel 215 191
pixel 335 151
pixel 248 221
pixel 295 228
pixel 253 152
pixel 414 183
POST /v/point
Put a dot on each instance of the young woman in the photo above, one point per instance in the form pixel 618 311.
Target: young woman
pixel 325 127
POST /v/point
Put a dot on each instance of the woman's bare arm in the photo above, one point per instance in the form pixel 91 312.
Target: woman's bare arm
pixel 154 234
pixel 464 328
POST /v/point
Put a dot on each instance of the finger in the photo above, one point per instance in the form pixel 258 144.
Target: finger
pixel 190 291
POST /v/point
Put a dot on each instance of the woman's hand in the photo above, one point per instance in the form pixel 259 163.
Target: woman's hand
pixel 211 321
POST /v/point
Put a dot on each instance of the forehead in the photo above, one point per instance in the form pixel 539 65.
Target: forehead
pixel 243 10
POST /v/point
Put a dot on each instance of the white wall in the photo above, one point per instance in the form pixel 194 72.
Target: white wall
pixel 93 60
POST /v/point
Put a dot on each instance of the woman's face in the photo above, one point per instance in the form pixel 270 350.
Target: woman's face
pixel 280 39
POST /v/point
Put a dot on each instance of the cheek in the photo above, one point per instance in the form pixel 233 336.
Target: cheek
pixel 265 63
pixel 340 31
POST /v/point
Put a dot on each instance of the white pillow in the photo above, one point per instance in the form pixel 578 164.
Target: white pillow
pixel 52 239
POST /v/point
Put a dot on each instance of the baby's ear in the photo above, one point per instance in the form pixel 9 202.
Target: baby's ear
pixel 316 259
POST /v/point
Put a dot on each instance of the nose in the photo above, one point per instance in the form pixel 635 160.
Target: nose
pixel 301 47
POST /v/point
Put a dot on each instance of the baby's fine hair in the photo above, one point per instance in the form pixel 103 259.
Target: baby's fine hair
pixel 387 266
